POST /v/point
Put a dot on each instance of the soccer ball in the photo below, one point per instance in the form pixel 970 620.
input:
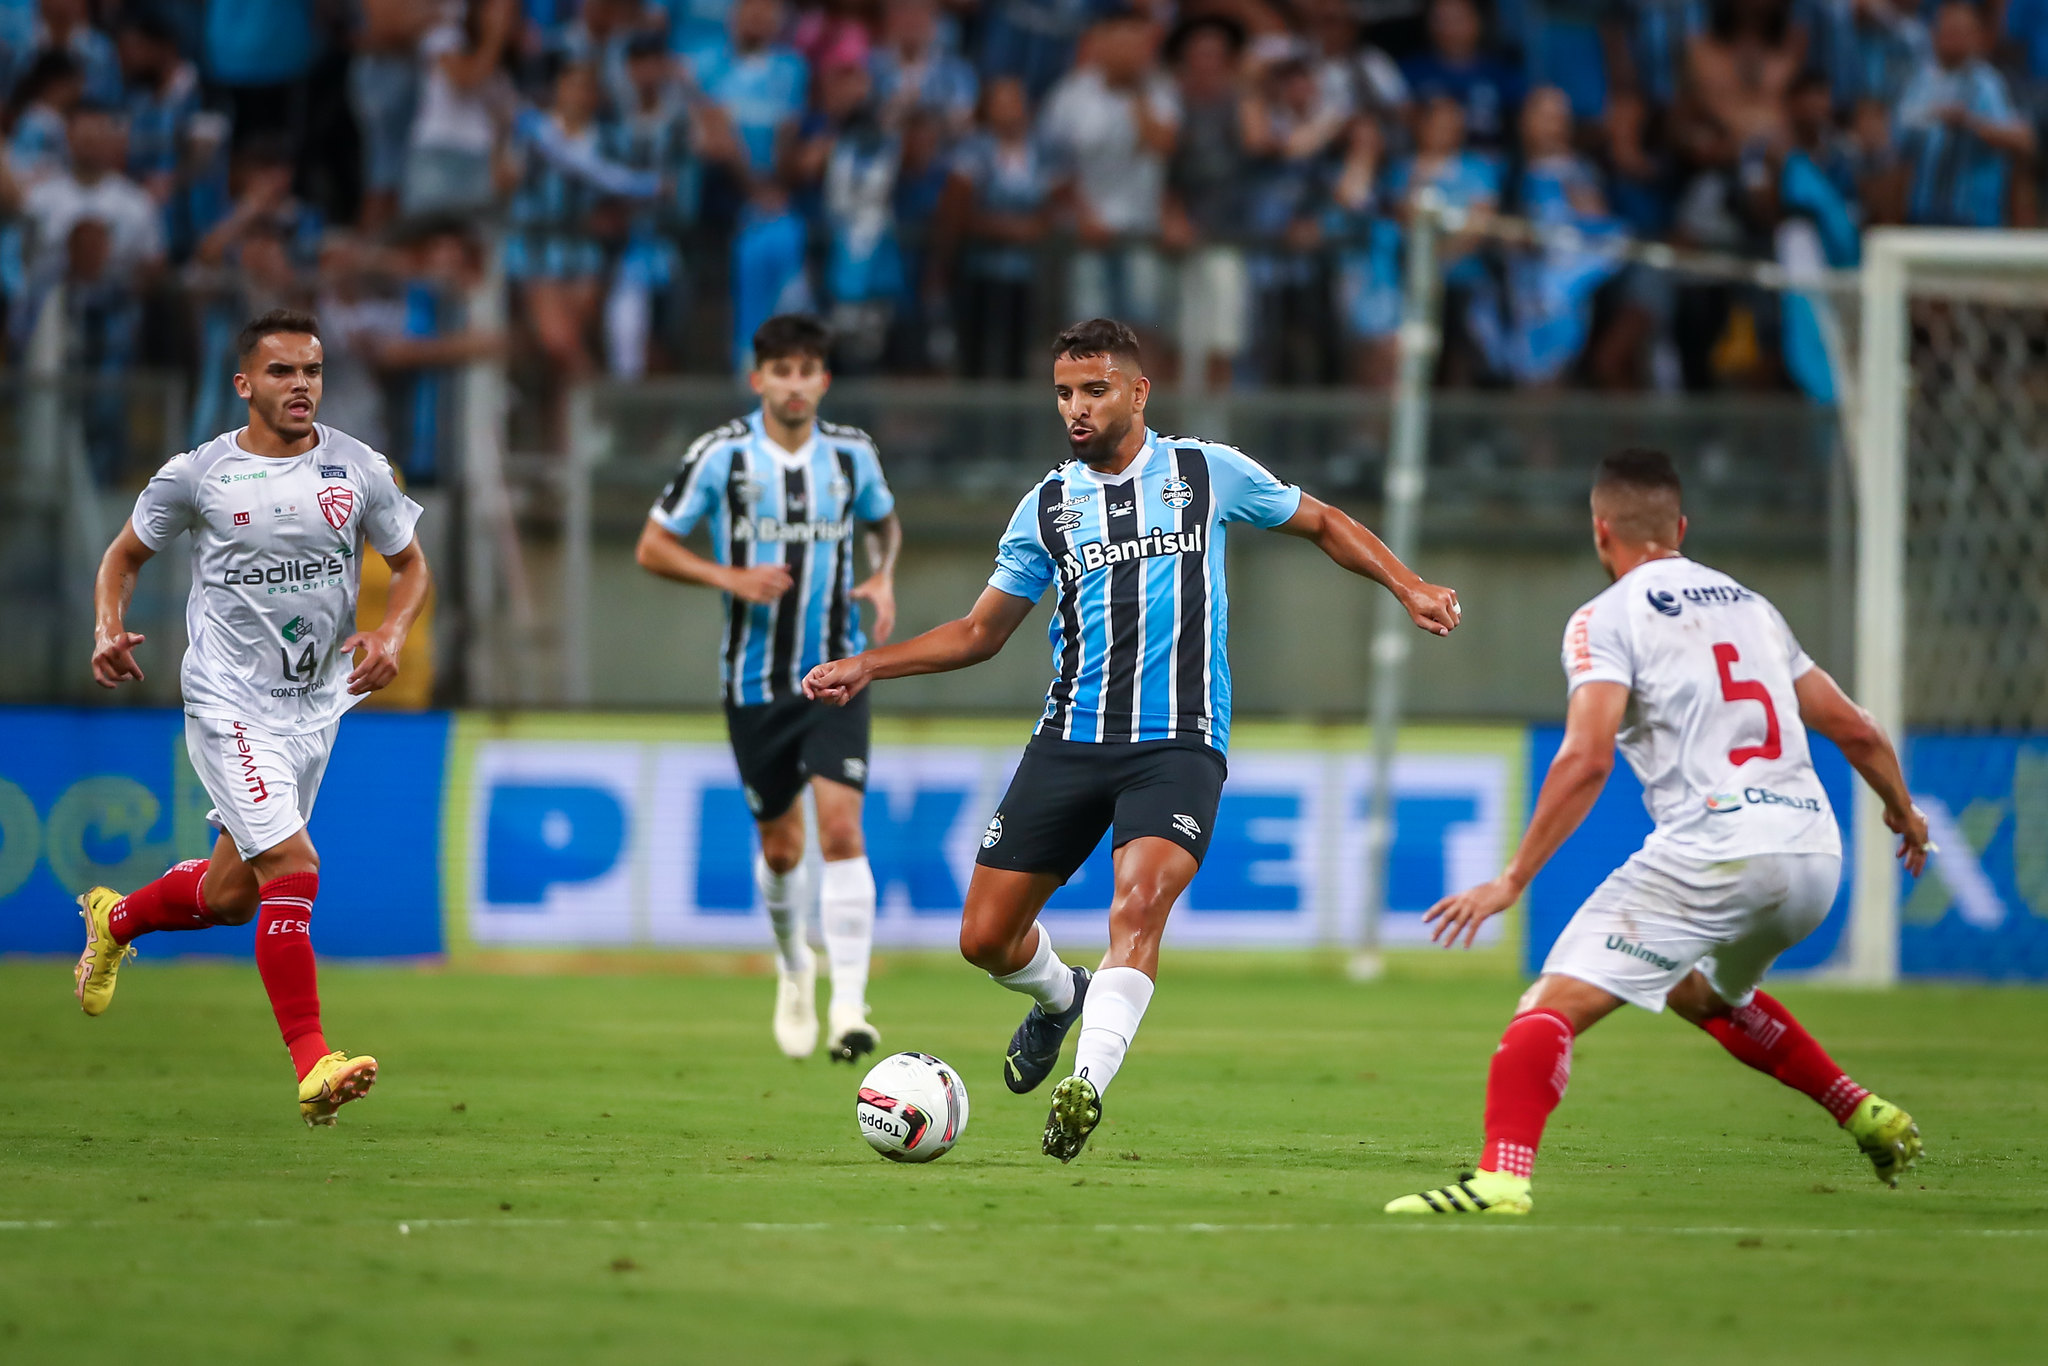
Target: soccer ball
pixel 912 1107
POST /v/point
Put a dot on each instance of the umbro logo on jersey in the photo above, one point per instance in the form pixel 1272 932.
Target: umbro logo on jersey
pixel 337 501
pixel 1177 493
pixel 334 471
pixel 1188 826
pixel 1664 602
pixel 1067 520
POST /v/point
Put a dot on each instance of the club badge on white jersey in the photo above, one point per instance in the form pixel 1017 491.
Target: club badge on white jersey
pixel 276 564
pixel 1712 727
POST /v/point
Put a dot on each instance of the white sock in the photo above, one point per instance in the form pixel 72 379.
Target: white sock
pixel 846 913
pixel 784 893
pixel 1045 979
pixel 1117 998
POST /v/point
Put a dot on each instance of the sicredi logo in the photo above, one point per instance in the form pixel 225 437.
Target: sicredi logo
pixel 244 478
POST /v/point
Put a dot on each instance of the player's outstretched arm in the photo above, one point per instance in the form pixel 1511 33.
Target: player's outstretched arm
pixel 1351 546
pixel 661 552
pixel 1569 790
pixel 113 644
pixel 1824 707
pixel 957 644
pixel 411 581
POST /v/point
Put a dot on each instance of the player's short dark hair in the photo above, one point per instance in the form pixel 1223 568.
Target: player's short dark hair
pixel 273 323
pixel 1098 337
pixel 792 334
pixel 1640 493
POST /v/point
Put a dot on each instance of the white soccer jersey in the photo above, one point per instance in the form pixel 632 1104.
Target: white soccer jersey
pixel 1712 727
pixel 276 562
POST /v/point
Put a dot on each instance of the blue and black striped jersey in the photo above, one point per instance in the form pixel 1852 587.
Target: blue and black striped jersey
pixel 1140 628
pixel 768 505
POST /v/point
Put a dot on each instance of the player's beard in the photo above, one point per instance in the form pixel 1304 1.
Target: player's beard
pixel 1099 448
pixel 288 425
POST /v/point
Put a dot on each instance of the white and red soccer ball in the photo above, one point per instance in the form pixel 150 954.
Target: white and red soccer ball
pixel 912 1107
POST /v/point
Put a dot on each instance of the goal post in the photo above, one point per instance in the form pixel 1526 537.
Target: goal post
pixel 1954 343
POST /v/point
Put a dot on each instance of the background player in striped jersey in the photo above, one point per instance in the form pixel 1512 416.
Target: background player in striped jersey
pixel 781 494
pixel 279 514
pixel 1703 687
pixel 1137 721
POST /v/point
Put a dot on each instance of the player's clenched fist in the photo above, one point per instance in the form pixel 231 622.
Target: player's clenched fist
pixel 763 583
pixel 1432 608
pixel 379 664
pixel 836 681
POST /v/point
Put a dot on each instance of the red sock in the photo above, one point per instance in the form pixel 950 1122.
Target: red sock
pixel 172 902
pixel 1525 1083
pixel 284 958
pixel 1764 1035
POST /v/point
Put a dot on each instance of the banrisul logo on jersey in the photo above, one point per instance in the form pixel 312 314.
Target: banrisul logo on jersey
pixel 1085 559
pixel 288 576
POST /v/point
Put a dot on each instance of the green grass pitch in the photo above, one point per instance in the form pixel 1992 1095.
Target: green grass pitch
pixel 621 1168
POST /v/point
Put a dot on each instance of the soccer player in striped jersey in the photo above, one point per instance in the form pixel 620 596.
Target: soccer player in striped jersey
pixel 1130 532
pixel 781 495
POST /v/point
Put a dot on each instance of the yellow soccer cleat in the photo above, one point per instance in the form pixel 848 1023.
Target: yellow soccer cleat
pixel 1888 1137
pixel 334 1081
pixel 93 979
pixel 1479 1192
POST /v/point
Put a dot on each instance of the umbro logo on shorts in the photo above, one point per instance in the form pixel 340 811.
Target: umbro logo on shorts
pixel 753 798
pixel 994 834
pixel 1188 826
pixel 856 770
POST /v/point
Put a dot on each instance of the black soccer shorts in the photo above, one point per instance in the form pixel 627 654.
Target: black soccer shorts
pixel 782 745
pixel 1066 793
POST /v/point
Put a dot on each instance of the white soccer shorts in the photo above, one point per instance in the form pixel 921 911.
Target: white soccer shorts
pixel 262 784
pixel 1659 916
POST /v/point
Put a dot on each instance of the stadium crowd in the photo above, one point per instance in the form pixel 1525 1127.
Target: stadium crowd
pixel 941 177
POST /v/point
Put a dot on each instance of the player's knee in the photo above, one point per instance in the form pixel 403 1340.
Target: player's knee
pixel 839 840
pixel 986 946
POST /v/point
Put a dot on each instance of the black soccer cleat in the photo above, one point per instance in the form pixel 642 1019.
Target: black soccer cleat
pixel 1035 1047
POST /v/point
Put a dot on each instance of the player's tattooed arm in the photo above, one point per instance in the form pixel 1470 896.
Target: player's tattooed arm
pixel 113 644
pixel 885 542
pixel 994 617
pixel 1592 719
pixel 411 581
pixel 1351 546
pixel 1824 707
pixel 661 552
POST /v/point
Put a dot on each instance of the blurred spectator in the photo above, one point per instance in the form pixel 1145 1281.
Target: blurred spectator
pixel 998 209
pixel 1035 40
pixel 1531 318
pixel 66 26
pixel 1354 77
pixel 1959 130
pixel 259 54
pixel 356 319
pixel 95 186
pixel 1206 217
pixel 602 35
pixel 1112 122
pixel 38 113
pixel 161 100
pixel 920 332
pixel 465 100
pixel 264 206
pixel 1458 65
pixel 554 253
pixel 1464 180
pixel 835 32
pixel 658 132
pixel 439 266
pixel 696 26
pixel 1646 45
pixel 1867 49
pixel 1288 132
pixel 1738 74
pixel 1359 219
pixel 384 92
pixel 912 70
pixel 759 84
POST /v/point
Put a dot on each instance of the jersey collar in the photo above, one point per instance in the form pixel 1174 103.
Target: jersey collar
pixel 800 458
pixel 1132 470
pixel 318 447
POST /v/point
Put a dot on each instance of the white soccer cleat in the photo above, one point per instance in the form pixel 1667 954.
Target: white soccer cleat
pixel 852 1036
pixel 796 1008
